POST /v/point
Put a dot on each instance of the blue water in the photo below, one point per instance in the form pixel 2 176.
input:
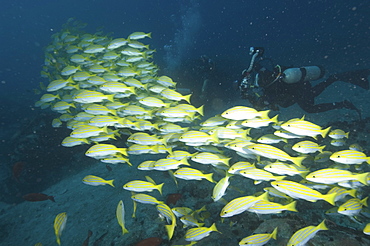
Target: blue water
pixel 334 34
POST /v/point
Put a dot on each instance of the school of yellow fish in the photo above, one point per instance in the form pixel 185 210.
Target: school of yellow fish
pixel 105 89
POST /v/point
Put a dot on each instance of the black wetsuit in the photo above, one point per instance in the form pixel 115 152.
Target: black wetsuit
pixel 282 94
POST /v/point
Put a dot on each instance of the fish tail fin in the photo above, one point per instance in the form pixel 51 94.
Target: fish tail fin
pixel 325 132
pixel 214 228
pixel 291 206
pixel 362 178
pixel 364 201
pixel 368 160
pixel 274 233
pixel 200 110
pixel 264 114
pixel 159 188
pixel 330 198
pixel 322 226
pixel 110 182
pixel 353 192
pixel 110 98
pixel 280 177
pixel 298 160
pixel 209 177
pixel 275 119
pixel 170 229
pixel 51 198
pixel 321 148
pixel 184 161
pixel 58 240
pixel 346 134
pixel 187 98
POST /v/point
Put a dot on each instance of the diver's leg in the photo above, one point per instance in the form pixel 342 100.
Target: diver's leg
pixel 323 107
pixel 358 77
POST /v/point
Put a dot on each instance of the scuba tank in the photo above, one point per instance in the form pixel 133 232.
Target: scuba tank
pixel 295 75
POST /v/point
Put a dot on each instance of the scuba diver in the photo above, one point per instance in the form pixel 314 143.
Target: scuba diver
pixel 285 86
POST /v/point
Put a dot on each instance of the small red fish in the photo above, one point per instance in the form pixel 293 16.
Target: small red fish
pixel 152 241
pixel 37 197
pixel 17 169
pixel 173 198
pixel 86 242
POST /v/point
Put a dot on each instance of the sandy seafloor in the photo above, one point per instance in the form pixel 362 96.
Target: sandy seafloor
pixel 93 208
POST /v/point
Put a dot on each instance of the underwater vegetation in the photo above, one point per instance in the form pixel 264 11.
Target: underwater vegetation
pixel 243 162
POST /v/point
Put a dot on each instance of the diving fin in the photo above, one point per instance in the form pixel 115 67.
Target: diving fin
pixel 357 77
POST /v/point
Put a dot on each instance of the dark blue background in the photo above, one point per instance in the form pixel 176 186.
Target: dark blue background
pixel 330 33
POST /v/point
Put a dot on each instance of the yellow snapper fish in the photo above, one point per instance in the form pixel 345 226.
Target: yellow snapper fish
pixel 323 157
pixel 118 158
pixel 59 225
pixel 189 220
pixel 56 123
pixel 259 175
pixel 304 128
pixel 116 43
pixel 220 188
pixel 243 113
pixel 153 102
pixel 87 96
pixel 143 186
pixel 367 229
pixel 70 142
pixel 259 122
pixel 241 204
pixel 99 151
pixel 258 239
pixel 192 174
pixel 116 87
pixel 120 214
pixel 174 95
pixel 69 70
pixel 271 139
pixel 302 236
pixel 356 147
pixel 198 138
pixel 267 207
pixel 239 166
pixel 58 84
pixel 146 199
pixel 143 138
pixel 146 165
pixel 96 181
pixel 49 98
pixel 87 131
pixel 166 81
pixel 210 158
pixel 217 120
pixel 352 207
pixel 341 193
pixel 299 191
pixel 272 152
pixel 166 212
pixel 197 234
pixel 169 164
pixel 191 108
pixel 180 154
pixel 281 168
pixel 139 35
pixel 338 142
pixel 338 134
pixel 333 176
pixel 307 147
pixel 349 157
pixel 226 133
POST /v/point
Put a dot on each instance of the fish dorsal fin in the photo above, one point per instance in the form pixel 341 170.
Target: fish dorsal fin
pixel 150 180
